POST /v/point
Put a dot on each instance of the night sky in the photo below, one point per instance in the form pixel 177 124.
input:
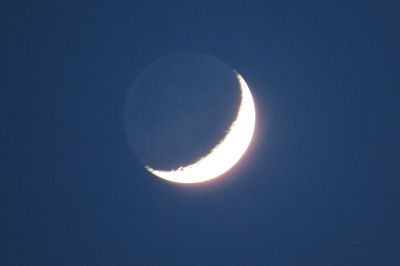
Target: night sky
pixel 320 184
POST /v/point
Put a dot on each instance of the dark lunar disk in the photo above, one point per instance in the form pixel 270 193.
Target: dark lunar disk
pixel 179 108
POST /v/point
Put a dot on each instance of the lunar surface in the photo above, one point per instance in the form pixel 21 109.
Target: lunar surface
pixel 189 117
pixel 225 154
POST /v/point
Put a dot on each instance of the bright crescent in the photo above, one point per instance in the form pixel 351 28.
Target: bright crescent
pixel 226 153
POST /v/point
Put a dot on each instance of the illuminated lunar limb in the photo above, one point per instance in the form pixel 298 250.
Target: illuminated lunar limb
pixel 226 153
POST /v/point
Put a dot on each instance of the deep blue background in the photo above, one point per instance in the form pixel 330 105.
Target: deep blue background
pixel 320 185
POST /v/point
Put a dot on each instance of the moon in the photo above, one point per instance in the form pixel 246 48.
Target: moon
pixel 226 153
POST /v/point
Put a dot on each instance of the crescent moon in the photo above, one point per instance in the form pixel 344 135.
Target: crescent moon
pixel 226 153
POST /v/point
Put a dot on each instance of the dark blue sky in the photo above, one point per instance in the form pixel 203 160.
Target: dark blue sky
pixel 320 185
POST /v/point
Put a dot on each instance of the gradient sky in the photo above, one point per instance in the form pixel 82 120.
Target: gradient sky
pixel 319 186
